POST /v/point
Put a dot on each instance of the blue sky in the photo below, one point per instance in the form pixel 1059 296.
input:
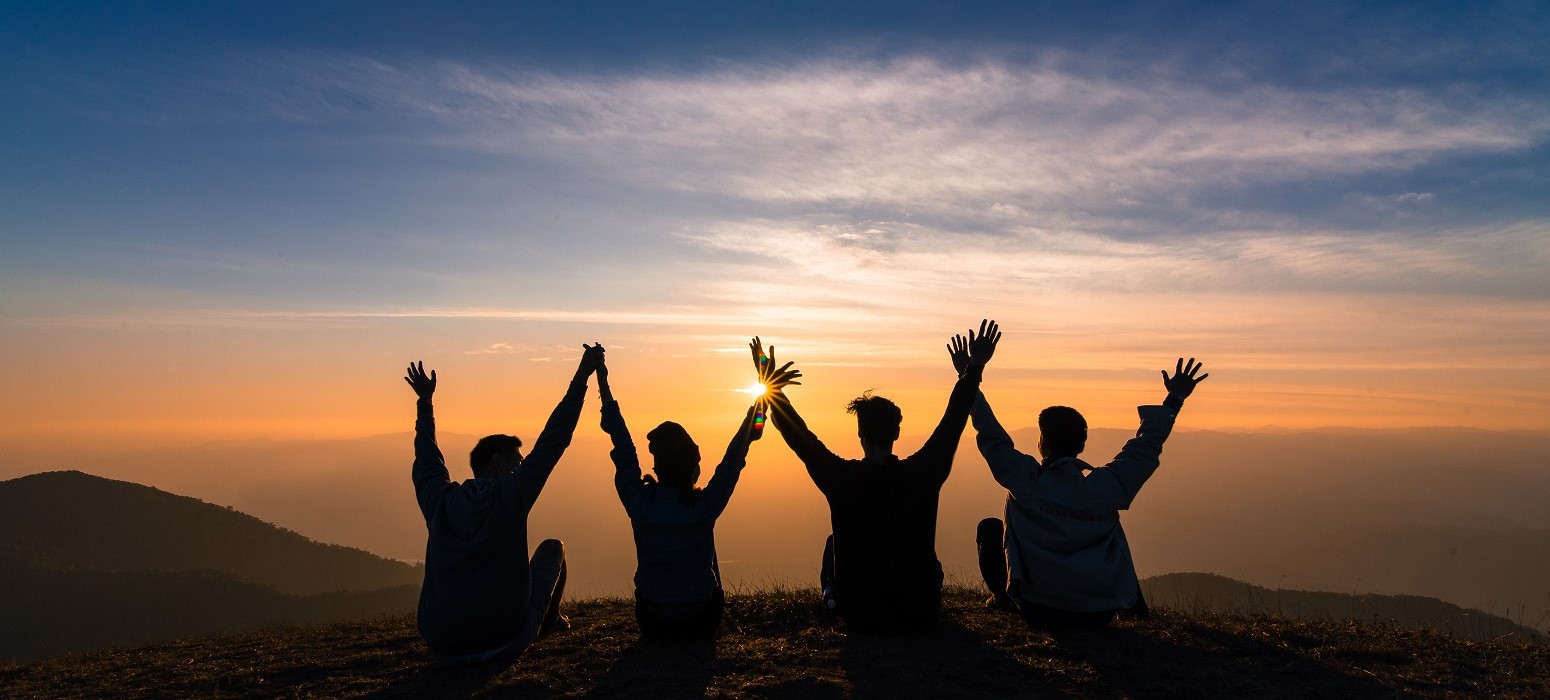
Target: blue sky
pixel 1300 189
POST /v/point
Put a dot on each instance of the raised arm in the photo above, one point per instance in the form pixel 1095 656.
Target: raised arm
pixel 430 467
pixel 1139 458
pixel 626 460
pixel 788 422
pixel 719 490
pixel 529 478
pixel 939 448
pixel 1012 469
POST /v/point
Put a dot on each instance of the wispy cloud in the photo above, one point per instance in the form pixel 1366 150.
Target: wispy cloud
pixel 992 140
pixel 884 204
pixel 824 262
pixel 493 349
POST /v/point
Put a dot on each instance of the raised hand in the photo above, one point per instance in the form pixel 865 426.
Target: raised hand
pixel 591 360
pixel 1183 381
pixel 958 350
pixel 604 391
pixel 423 386
pixel 775 379
pixel 982 346
pixel 783 377
pixel 762 363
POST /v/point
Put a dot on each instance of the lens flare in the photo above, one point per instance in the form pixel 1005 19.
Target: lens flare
pixel 756 389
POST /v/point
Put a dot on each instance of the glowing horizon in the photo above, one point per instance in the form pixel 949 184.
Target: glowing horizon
pixel 247 231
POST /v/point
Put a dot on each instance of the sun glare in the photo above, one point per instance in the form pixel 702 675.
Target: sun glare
pixel 756 389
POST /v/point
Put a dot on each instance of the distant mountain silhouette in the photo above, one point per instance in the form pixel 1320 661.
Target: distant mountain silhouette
pixel 87 562
pixel 1449 513
pixel 45 612
pixel 70 521
pixel 1194 592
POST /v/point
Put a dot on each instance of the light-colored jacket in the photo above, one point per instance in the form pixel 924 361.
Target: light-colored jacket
pixel 1064 542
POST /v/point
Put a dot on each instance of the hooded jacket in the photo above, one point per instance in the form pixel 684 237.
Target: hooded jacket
pixel 475 594
pixel 1064 542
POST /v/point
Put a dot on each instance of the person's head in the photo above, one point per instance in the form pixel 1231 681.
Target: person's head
pixel 1062 432
pixel 877 419
pixel 495 455
pixel 676 457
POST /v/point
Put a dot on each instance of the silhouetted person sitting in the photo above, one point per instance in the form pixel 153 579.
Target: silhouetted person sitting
pixel 880 570
pixel 677 578
pixel 1068 559
pixel 483 598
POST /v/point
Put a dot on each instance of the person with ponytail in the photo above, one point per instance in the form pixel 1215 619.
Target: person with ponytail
pixel 678 590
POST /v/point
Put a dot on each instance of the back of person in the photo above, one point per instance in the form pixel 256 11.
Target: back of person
pixel 482 596
pixel 880 570
pixel 885 565
pixel 1067 544
pixel 476 570
pixel 677 578
pixel 675 546
pixel 1065 558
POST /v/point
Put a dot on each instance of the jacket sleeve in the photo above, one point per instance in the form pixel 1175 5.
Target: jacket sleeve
pixel 1117 483
pixel 430 468
pixel 1012 469
pixel 719 491
pixel 626 459
pixel 937 453
pixel 523 485
pixel 821 463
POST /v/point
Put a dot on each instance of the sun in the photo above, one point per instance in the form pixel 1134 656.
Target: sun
pixel 756 389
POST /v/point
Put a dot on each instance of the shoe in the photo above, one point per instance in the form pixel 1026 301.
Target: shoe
pixel 1001 602
pixel 561 623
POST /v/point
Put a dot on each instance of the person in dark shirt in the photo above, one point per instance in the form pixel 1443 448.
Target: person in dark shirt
pixel 678 590
pixel 881 569
pixel 483 598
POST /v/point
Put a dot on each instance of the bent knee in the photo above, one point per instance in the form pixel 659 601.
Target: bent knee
pixel 990 529
pixel 550 548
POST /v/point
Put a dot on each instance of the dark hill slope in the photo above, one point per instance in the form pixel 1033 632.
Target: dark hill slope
pixel 44 612
pixel 70 521
pixel 1210 592
pixel 87 563
pixel 779 645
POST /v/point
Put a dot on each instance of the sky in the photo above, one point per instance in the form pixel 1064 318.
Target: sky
pixel 237 220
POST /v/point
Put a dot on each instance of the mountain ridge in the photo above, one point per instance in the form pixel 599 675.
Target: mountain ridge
pixel 88 562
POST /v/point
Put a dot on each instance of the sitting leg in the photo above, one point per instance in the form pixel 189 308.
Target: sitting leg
pixel 548 571
pixel 826 573
pixel 988 538
pixel 1139 611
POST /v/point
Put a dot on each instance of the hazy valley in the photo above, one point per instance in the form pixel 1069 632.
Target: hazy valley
pixel 1452 514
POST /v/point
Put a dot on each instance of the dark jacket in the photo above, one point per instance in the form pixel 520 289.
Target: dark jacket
pixel 675 543
pixel 475 594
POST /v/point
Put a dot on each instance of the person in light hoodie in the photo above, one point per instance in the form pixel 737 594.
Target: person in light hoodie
pixel 1062 559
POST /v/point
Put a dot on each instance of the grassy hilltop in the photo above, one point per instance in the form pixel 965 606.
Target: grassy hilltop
pixel 779 644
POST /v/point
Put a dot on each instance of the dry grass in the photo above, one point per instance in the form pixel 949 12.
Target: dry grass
pixel 780 644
